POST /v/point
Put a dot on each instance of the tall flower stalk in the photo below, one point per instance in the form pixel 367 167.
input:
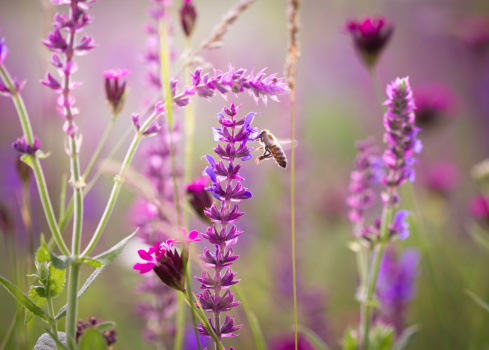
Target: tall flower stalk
pixel 226 187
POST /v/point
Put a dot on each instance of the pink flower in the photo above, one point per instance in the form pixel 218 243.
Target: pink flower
pixel 152 256
pixel 191 237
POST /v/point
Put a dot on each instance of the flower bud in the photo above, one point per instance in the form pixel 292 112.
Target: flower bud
pixel 188 15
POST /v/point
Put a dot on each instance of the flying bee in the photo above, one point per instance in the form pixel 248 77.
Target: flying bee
pixel 272 149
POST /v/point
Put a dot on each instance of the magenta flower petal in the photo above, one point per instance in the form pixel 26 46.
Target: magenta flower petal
pixel 143 268
pixel 145 255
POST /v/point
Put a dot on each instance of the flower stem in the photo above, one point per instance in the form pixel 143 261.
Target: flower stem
pixel 36 165
pixel 72 311
pixel 292 209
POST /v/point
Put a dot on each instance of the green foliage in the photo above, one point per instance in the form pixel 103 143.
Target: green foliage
pixel 24 300
pixel 38 297
pixel 109 255
pixel 92 339
pixel 478 300
pixel 405 338
pixel 44 254
pixel 350 340
pixel 56 281
pixel 318 343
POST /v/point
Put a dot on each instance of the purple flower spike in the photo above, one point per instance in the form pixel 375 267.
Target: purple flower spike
pixel 51 83
pixel 22 146
pixel 400 137
pixel 370 36
pixel 400 227
pixel 226 187
pixel 115 89
pixel 3 50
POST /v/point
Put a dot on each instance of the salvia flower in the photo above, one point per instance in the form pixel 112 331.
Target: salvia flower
pixel 433 103
pixel 115 88
pixel 166 262
pixel 367 172
pixel 400 227
pixel 370 35
pixel 198 197
pixel 396 285
pixel 188 15
pixel 400 137
pixel 3 50
pixel 22 146
pixel 227 188
pixel 18 85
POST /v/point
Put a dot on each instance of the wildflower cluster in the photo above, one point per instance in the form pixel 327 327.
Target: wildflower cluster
pixel 226 187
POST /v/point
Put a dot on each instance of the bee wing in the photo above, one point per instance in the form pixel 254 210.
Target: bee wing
pixel 287 143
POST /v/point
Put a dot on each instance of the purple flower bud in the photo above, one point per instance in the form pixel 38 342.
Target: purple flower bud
pixel 51 83
pixel 479 208
pixel 22 146
pixel 56 42
pixel 370 36
pixel 152 130
pixel 135 121
pixel 115 89
pixel 84 45
pixel 198 197
pixel 23 170
pixel 3 50
pixel 400 227
pixel 188 16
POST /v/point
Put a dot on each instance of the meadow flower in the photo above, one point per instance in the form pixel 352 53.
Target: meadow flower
pixel 396 285
pixel 433 103
pixel 115 88
pixel 400 137
pixel 479 207
pixel 22 146
pixel 235 134
pixel 370 35
pixel 188 15
pixel 3 50
pixel 442 177
pixel 198 197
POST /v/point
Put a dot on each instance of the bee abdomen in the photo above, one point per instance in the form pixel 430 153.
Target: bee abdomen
pixel 279 155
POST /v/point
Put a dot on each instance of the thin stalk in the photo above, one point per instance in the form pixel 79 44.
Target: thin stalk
pixel 72 311
pixel 27 218
pixel 36 165
pixel 292 209
pixel 180 321
pixel 119 179
pixel 255 328
pixel 189 291
pixel 367 306
pixel 379 96
pixel 54 326
pixel 62 197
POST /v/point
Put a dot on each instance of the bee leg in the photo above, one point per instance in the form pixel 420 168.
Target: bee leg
pixel 259 148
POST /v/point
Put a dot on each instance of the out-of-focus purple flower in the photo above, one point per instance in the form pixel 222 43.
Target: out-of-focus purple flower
pixel 110 335
pixel 442 177
pixel 199 198
pixel 400 227
pixel 367 172
pixel 287 342
pixel 396 285
pixel 3 50
pixel 115 89
pixel 370 35
pixel 188 15
pixel 479 207
pixel 18 85
pixel 433 103
pixel 400 137
pixel 22 146
pixel 473 32
pixel 235 134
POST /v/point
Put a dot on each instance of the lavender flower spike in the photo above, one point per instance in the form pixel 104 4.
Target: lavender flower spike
pixel 400 137
pixel 226 187
pixel 3 50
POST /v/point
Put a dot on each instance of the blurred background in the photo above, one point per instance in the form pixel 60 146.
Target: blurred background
pixel 442 45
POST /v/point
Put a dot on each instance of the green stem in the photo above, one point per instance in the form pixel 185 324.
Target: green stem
pixel 72 311
pixel 54 326
pixel 292 209
pixel 189 291
pixel 62 197
pixel 119 179
pixel 368 305
pixel 36 165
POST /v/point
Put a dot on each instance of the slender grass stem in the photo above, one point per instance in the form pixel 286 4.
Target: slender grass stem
pixel 292 210
pixel 72 311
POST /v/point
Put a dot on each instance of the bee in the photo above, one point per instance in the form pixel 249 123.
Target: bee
pixel 272 149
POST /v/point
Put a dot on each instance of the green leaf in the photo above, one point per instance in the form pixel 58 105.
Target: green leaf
pixel 108 256
pixel 318 343
pixel 405 338
pixel 83 289
pixel 56 282
pixel 37 295
pixel 27 158
pixel 47 341
pixel 350 341
pixel 60 262
pixel 42 254
pixel 92 262
pixel 24 300
pixel 478 300
pixel 92 340
pixel 104 326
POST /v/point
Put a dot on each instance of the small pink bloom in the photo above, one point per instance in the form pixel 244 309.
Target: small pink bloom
pixel 191 237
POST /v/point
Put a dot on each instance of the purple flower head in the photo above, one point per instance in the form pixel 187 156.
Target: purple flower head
pixel 3 50
pixel 370 35
pixel 479 207
pixel 18 85
pixel 115 88
pixel 395 287
pixel 433 103
pixel 188 15
pixel 22 146
pixel 442 177
pixel 110 335
pixel 474 33
pixel 400 227
pixel 168 265
pixel 367 173
pixel 287 342
pixel 400 136
pixel 198 197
